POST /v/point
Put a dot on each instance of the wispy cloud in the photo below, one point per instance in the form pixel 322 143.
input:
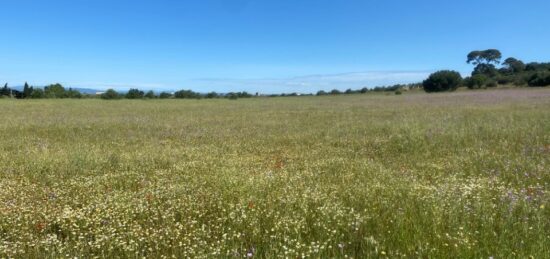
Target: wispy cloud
pixel 312 83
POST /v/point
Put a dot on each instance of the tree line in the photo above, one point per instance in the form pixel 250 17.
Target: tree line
pixel 50 91
pixel 512 71
pixel 486 73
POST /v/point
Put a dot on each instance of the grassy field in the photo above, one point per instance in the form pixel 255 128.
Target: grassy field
pixel 463 174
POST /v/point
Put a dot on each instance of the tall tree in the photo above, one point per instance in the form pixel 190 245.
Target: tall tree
pixel 27 90
pixel 514 65
pixel 485 61
pixel 5 91
pixel 489 56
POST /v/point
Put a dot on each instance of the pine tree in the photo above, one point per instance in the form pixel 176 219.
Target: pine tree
pixel 27 90
pixel 5 91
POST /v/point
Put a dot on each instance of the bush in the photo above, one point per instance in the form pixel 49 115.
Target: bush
pixel 165 95
pixel 539 79
pixel 445 80
pixel 491 83
pixel 476 81
pixel 335 92
pixel 110 94
pixel 134 94
pixel 37 93
pixel 150 94
pixel 72 93
pixel 398 92
pixel 187 94
pixel 211 95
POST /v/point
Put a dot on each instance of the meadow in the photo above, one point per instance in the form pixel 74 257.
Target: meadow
pixel 450 175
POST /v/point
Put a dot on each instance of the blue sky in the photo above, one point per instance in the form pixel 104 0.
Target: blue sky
pixel 258 45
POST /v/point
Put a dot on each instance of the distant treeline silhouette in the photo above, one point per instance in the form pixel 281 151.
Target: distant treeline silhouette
pixel 58 91
pixel 485 74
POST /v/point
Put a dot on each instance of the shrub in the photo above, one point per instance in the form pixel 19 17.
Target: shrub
pixel 335 92
pixel 110 94
pixel 37 93
pixel 211 95
pixel 165 95
pixel 398 92
pixel 445 80
pixel 187 94
pixel 150 94
pixel 491 83
pixel 134 94
pixel 73 93
pixel 476 81
pixel 539 79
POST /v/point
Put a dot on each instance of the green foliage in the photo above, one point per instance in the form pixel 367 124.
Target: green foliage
pixel 187 94
pixel 535 66
pixel 211 95
pixel 488 70
pixel 73 94
pixel 5 91
pixel 236 95
pixel 489 56
pixel 27 90
pixel 110 94
pixel 37 93
pixel 321 92
pixel 513 65
pixel 540 79
pixel 134 94
pixel 54 91
pixel 165 95
pixel 491 83
pixel 150 94
pixel 444 80
pixel 335 92
pixel 476 81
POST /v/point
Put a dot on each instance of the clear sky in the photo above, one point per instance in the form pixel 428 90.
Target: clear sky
pixel 258 45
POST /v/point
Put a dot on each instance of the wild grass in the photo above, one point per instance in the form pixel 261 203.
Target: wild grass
pixel 442 175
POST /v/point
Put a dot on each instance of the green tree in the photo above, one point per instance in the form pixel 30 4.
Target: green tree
pixel 27 90
pixel 110 94
pixel 150 94
pixel 71 93
pixel 444 80
pixel 37 94
pixel 476 81
pixel 485 61
pixel 5 91
pixel 211 95
pixel 54 91
pixel 165 95
pixel 134 94
pixel 489 56
pixel 187 94
pixel 541 78
pixel 513 65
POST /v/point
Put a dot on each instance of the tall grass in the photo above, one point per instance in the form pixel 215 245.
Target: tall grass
pixel 415 175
